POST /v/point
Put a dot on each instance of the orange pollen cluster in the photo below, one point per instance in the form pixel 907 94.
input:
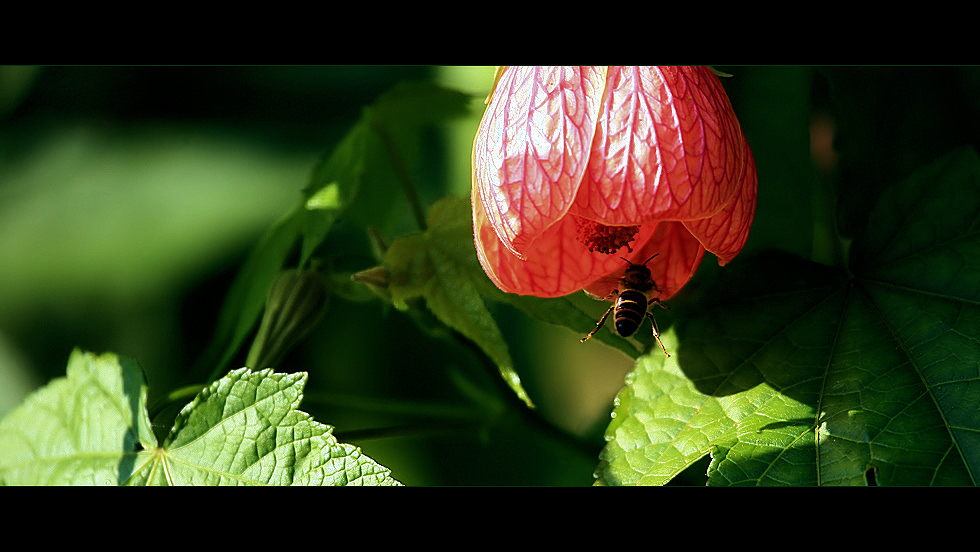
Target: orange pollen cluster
pixel 605 239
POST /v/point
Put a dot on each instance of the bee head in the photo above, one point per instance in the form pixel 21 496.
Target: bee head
pixel 637 276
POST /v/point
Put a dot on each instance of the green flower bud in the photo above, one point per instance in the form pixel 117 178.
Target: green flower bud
pixel 296 302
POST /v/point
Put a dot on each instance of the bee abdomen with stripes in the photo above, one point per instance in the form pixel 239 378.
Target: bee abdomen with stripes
pixel 635 288
pixel 631 307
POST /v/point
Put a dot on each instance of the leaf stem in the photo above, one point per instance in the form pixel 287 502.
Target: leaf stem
pixel 529 416
pixel 398 162
pixel 407 430
pixel 393 406
pixel 182 394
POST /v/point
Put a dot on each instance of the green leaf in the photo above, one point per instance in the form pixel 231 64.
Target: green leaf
pixel 793 373
pixel 81 429
pixel 334 184
pixel 356 180
pixel 919 263
pixel 410 105
pixel 245 430
pixel 242 430
pixel 440 265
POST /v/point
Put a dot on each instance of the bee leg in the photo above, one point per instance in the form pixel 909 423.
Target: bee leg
pixel 657 301
pixel 599 324
pixel 656 330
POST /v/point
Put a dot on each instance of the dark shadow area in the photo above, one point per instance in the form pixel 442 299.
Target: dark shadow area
pixel 754 323
pixel 132 387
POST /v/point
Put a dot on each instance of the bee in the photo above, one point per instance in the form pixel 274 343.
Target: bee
pixel 635 288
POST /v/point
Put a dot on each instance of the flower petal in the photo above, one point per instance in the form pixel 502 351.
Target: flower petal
pixel 532 148
pixel 679 255
pixel 667 147
pixel 556 264
pixel 726 233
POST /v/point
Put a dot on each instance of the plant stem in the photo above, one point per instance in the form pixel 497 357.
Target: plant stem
pixel 400 170
pixel 397 407
pixel 407 430
pixel 177 395
pixel 530 417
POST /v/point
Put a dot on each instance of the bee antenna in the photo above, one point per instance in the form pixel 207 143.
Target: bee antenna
pixel 644 263
pixel 650 259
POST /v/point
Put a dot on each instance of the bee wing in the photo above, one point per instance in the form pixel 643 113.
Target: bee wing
pixel 606 282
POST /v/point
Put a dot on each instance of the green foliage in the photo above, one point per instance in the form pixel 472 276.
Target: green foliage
pixel 92 428
pixel 840 348
pixel 440 265
pixel 334 185
pixel 794 373
pixel 82 429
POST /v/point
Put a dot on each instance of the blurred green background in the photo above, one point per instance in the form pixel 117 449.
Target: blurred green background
pixel 129 197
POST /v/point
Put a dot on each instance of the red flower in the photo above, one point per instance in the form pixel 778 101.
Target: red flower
pixel 574 167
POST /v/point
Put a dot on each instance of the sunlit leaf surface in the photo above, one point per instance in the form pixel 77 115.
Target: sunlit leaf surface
pixel 245 430
pixel 92 428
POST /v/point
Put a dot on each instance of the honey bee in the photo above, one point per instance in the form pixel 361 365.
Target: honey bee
pixel 633 301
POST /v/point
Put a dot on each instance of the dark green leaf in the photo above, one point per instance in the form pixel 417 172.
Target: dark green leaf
pixel 413 104
pixel 334 184
pixel 795 374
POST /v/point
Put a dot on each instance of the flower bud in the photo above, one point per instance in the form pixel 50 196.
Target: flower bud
pixel 296 302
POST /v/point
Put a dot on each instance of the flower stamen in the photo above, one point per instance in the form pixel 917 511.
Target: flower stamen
pixel 605 239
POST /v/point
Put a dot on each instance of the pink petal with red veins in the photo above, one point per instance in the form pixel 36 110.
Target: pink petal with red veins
pixel 556 264
pixel 726 233
pixel 679 256
pixel 667 147
pixel 532 148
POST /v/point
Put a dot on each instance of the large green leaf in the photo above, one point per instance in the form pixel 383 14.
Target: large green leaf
pixel 245 430
pixel 795 373
pixel 82 429
pixel 242 430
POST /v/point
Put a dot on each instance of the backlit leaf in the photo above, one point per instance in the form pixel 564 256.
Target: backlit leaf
pixel 82 429
pixel 245 430
pixel 92 428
